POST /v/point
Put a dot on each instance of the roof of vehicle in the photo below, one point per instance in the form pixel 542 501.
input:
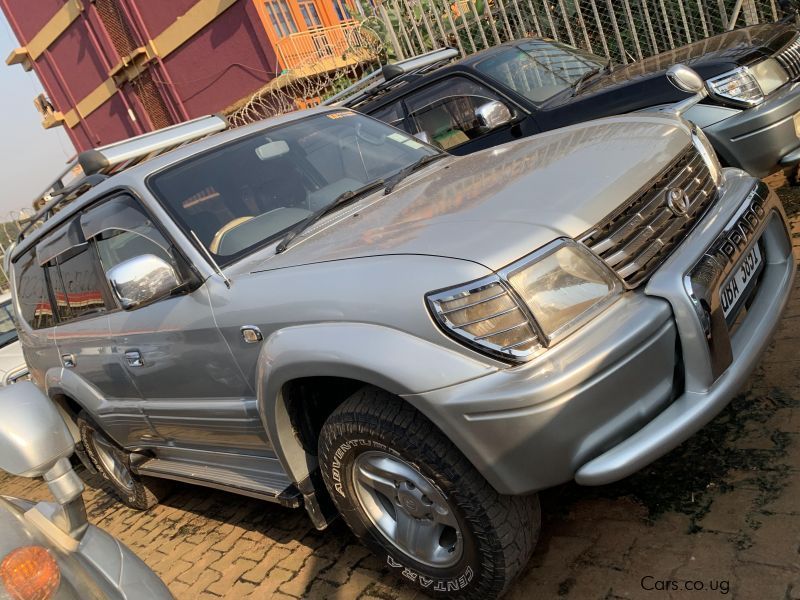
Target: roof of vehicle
pixel 50 219
pixel 387 91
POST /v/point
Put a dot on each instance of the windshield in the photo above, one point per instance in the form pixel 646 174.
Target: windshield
pixel 247 193
pixel 539 70
pixel 8 332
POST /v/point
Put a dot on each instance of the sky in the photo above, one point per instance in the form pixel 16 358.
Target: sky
pixel 31 157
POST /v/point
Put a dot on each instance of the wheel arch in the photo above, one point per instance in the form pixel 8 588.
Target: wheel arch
pixel 348 356
pixel 72 394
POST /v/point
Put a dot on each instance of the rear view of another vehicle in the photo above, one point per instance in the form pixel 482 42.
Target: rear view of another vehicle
pixel 12 362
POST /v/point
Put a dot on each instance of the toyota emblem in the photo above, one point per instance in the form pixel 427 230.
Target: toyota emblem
pixel 678 201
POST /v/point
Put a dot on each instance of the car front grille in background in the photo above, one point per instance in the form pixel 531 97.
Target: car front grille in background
pixel 789 58
pixel 637 238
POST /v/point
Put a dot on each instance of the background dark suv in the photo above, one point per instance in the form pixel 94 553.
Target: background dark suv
pixel 749 115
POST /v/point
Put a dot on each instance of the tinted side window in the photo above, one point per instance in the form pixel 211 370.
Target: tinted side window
pixel 8 332
pixel 122 231
pixel 81 284
pixel 445 111
pixel 32 293
pixel 391 114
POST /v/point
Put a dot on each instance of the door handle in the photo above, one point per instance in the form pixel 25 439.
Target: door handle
pixel 134 358
pixel 68 360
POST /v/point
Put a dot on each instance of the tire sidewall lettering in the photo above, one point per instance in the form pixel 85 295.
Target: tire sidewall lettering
pixel 453 584
pixel 339 454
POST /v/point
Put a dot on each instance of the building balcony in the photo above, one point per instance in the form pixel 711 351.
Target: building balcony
pixel 325 49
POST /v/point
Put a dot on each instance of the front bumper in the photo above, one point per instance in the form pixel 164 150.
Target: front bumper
pixel 760 139
pixel 635 382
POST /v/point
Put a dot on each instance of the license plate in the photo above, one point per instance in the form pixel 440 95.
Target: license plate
pixel 740 282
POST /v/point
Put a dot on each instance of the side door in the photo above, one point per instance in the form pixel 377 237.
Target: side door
pixel 192 390
pixel 445 114
pixel 82 302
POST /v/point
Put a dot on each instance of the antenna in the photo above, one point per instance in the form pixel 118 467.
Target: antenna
pixel 211 259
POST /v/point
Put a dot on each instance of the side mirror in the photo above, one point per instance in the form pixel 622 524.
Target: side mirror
pixel 686 79
pixel 33 436
pixel 492 115
pixel 142 280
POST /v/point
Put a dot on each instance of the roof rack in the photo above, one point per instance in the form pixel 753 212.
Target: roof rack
pixel 93 166
pixel 382 79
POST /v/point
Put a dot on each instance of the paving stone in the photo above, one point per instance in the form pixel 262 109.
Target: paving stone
pixel 258 573
pixel 303 580
pixel 730 510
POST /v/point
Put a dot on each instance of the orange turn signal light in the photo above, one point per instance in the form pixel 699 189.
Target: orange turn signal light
pixel 30 573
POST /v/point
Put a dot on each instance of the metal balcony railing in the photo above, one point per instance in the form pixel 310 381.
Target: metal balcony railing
pixel 323 49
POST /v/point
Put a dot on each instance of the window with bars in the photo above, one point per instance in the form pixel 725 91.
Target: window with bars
pixel 310 14
pixel 280 15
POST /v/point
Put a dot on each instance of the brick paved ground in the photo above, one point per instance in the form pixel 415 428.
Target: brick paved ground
pixel 723 509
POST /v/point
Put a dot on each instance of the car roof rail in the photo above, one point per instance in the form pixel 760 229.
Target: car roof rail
pixel 94 166
pixel 118 156
pixel 58 197
pixel 382 79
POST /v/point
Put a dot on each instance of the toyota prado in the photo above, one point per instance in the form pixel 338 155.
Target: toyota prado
pixel 322 311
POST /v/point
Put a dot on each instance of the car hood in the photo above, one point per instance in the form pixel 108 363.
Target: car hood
pixel 498 205
pixel 643 84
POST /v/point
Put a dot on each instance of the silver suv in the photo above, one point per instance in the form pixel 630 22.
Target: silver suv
pixel 322 311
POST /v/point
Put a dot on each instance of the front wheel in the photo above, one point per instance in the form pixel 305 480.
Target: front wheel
pixel 411 497
pixel 113 463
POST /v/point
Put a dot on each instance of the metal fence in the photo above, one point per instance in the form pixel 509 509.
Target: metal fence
pixel 623 30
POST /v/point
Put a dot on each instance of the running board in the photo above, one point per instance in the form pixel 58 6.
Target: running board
pixel 254 476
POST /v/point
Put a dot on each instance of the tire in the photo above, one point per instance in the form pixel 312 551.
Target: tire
pixel 141 493
pixel 478 540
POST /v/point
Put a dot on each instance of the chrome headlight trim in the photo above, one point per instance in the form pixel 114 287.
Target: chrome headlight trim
pixel 753 95
pixel 497 288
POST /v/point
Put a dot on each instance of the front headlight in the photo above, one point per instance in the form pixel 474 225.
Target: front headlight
pixel 770 75
pixel 531 304
pixel 739 85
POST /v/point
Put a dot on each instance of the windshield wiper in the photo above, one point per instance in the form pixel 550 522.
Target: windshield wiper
pixel 340 200
pixel 576 87
pixel 392 181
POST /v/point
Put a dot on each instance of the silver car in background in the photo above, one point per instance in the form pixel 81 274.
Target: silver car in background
pixel 322 311
pixel 48 550
pixel 12 361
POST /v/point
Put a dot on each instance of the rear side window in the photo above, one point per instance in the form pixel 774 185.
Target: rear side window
pixel 32 293
pixel 77 285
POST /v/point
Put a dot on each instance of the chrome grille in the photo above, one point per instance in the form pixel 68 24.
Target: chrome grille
pixel 789 58
pixel 637 238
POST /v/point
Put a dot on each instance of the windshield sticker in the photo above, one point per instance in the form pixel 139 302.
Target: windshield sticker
pixel 339 115
pixel 413 144
pixel 398 137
